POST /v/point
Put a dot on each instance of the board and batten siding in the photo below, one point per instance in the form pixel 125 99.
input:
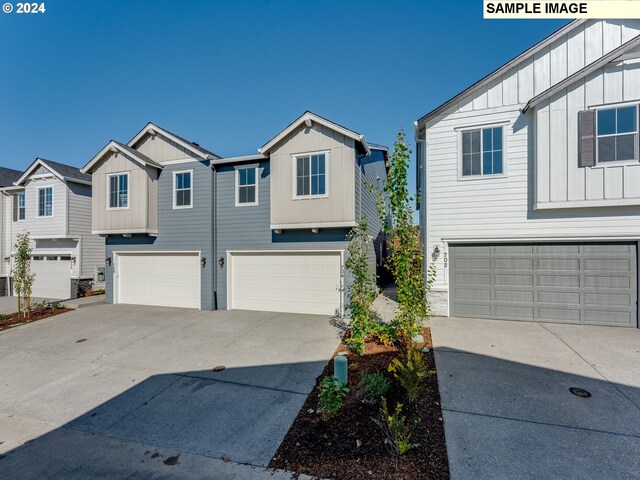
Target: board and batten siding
pixel 141 203
pixel 248 227
pixel 161 149
pixel 537 169
pixel 339 205
pixel 184 229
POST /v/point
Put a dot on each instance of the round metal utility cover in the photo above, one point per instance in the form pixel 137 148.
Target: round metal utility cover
pixel 579 392
pixel 219 368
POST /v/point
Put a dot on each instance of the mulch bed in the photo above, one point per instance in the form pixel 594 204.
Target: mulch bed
pixel 36 314
pixel 350 445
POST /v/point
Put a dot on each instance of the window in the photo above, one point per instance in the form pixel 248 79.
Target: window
pixel 311 175
pixel 246 186
pixel 20 206
pixel 617 130
pixel 118 190
pixel 482 152
pixel 182 189
pixel 45 202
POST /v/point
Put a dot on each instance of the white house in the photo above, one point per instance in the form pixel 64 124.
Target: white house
pixel 52 202
pixel 530 183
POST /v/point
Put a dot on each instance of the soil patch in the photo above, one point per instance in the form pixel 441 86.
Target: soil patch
pixel 8 321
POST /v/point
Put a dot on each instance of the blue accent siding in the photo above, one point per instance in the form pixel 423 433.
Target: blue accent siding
pixel 184 229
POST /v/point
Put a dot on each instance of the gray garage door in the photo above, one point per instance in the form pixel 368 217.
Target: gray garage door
pixel 590 283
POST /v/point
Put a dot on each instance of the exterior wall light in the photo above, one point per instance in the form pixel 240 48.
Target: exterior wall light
pixel 203 261
pixel 108 261
pixel 435 254
pixel 315 230
pixel 221 261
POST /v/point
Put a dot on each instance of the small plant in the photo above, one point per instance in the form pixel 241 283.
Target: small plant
pixel 397 430
pixel 409 371
pixel 56 306
pixel 373 386
pixel 332 395
pixel 3 317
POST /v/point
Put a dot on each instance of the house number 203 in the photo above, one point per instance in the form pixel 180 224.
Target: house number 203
pixel 30 8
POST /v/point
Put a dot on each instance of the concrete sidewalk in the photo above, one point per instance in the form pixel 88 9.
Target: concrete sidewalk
pixel 507 406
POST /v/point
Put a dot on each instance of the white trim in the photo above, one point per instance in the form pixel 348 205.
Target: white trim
pixel 229 263
pixel 108 189
pixel 294 175
pixel 173 176
pixel 113 147
pixel 181 161
pixel 481 176
pixel 538 239
pixel 152 129
pixel 244 158
pixel 614 202
pixel 17 206
pixel 37 163
pixel 298 226
pixel 125 231
pixel 311 117
pixel 237 191
pixel 38 201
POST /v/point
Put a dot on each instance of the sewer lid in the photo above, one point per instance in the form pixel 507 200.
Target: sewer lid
pixel 579 392
pixel 219 368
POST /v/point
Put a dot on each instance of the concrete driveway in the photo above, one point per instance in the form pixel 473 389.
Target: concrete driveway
pixel 507 406
pixel 116 390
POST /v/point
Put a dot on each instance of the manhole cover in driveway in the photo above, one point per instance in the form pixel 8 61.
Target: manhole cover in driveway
pixel 579 392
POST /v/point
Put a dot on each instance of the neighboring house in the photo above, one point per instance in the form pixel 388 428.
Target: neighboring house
pixel 187 228
pixel 7 179
pixel 530 183
pixel 52 202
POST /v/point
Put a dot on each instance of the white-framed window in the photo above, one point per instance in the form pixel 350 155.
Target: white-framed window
pixel 617 133
pixel 21 211
pixel 310 175
pixel 482 152
pixel 118 191
pixel 45 201
pixel 246 186
pixel 183 189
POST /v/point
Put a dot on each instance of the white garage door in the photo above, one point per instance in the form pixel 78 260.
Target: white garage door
pixel 161 279
pixel 286 282
pixel 53 276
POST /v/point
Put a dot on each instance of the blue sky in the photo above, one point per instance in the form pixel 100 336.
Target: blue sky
pixel 231 74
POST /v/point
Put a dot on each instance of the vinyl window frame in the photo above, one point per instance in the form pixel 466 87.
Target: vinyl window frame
pixel 636 147
pixel 175 189
pixel 38 190
pixel 17 197
pixel 294 175
pixel 237 187
pixel 108 189
pixel 481 127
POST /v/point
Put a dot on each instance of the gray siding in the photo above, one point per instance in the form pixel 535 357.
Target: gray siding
pixel 178 229
pixel 248 227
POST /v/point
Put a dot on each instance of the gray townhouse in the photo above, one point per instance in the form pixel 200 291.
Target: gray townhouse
pixel 185 227
pixel 529 181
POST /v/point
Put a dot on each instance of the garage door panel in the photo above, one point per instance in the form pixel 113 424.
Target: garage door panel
pixel 593 283
pixel 52 277
pixel 286 282
pixel 159 279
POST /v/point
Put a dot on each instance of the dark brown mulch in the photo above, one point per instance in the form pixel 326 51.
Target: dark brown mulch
pixel 36 314
pixel 350 445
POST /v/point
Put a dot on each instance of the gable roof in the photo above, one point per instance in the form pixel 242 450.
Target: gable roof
pixel 196 149
pixel 309 118
pixel 583 72
pixel 115 147
pixel 61 170
pixel 8 176
pixel 500 70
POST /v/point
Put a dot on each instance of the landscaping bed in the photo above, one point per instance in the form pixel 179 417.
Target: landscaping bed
pixel 38 312
pixel 350 445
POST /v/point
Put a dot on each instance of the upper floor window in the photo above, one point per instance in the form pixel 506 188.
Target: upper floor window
pixel 20 206
pixel 617 133
pixel 182 189
pixel 45 201
pixel 311 175
pixel 246 186
pixel 118 188
pixel 482 152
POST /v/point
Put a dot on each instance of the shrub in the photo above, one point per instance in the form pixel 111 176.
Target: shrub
pixel 56 306
pixel 332 395
pixel 409 371
pixel 373 386
pixel 397 430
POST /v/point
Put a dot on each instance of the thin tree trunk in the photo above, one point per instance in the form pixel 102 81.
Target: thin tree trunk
pixel 19 305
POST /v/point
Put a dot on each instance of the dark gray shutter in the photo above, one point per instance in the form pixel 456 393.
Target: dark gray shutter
pixel 587 137
pixel 419 171
pixel 15 208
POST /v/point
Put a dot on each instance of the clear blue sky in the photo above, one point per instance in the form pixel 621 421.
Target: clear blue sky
pixel 231 74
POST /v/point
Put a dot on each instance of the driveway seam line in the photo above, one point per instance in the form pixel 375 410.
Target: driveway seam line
pixel 592 367
pixel 536 422
pixel 228 382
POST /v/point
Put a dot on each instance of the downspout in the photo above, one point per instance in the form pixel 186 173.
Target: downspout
pixel 214 235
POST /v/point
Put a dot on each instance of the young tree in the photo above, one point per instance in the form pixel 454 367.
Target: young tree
pixel 22 276
pixel 406 258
